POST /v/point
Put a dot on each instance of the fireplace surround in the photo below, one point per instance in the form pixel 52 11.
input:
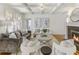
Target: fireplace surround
pixel 73 33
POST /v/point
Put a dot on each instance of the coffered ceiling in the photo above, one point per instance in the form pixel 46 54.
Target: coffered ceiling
pixel 43 7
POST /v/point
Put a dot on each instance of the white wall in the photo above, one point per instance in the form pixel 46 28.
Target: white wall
pixel 58 23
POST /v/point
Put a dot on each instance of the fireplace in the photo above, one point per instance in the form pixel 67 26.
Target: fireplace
pixel 73 33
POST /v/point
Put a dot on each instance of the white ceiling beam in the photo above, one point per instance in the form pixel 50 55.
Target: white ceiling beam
pixel 28 7
pixel 12 7
pixel 56 8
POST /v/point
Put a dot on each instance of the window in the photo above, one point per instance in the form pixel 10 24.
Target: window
pixel 29 24
pixel 42 22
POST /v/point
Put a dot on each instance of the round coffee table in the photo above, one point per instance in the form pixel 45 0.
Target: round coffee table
pixel 45 50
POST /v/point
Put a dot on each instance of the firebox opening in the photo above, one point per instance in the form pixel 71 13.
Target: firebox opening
pixel 75 36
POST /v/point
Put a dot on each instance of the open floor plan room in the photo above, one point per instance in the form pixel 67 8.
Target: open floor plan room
pixel 39 28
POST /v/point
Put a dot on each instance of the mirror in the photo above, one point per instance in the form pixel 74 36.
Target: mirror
pixel 75 15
